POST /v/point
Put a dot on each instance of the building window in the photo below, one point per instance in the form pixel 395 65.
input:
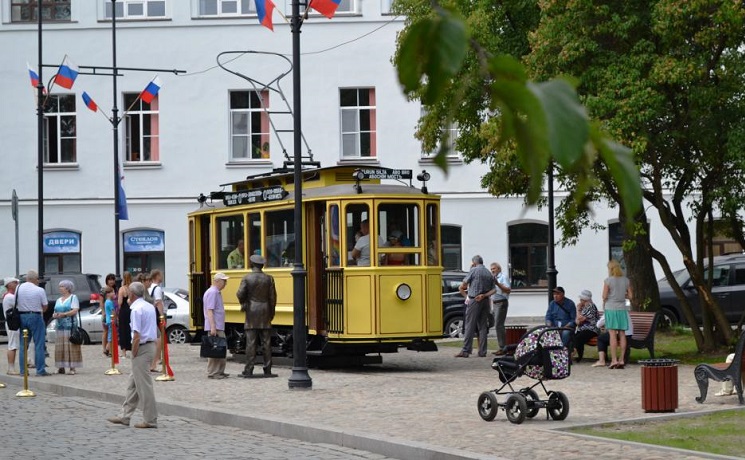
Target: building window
pixel 528 253
pixel 358 125
pixel 60 129
pixel 452 131
pixel 249 125
pixel 27 10
pixel 226 7
pixel 452 247
pixel 385 6
pixel 616 235
pixel 142 129
pixel 137 9
pixel 61 251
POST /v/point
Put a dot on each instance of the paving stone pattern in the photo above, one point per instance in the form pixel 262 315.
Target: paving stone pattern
pixel 425 400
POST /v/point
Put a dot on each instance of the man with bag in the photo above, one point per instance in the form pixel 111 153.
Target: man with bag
pixel 258 297
pixel 9 301
pixel 562 312
pixel 214 322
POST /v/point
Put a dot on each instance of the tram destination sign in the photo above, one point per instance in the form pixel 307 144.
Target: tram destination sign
pixel 258 195
pixel 385 173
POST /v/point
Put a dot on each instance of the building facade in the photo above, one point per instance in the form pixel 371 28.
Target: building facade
pixel 207 126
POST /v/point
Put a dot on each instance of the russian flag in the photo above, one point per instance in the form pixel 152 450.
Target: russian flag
pixel 150 91
pixel 264 9
pixel 89 102
pixel 66 74
pixel 33 75
pixel 325 7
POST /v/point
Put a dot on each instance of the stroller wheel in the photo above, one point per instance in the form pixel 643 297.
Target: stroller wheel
pixel 516 408
pixel 531 398
pixel 558 405
pixel 487 406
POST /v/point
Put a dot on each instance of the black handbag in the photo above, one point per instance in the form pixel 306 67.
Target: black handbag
pixel 214 347
pixel 13 316
pixel 76 333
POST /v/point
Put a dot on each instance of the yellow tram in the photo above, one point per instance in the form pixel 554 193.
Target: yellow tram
pixel 371 251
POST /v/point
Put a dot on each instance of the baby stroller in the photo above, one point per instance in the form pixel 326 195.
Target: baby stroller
pixel 540 355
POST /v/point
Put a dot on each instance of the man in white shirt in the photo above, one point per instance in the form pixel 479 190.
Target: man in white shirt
pixel 140 386
pixel 31 301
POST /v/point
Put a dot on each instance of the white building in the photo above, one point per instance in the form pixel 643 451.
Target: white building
pixel 203 130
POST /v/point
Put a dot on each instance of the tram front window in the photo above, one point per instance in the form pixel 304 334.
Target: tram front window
pixel 399 227
pixel 280 238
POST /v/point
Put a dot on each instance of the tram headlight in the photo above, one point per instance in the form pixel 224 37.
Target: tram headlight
pixel 403 291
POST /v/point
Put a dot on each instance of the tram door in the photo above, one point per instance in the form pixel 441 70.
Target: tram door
pixel 200 266
pixel 316 228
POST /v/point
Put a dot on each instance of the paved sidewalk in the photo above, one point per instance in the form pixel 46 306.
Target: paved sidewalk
pixel 414 405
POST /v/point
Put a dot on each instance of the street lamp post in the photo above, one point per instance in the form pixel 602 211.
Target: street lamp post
pixel 299 379
pixel 40 152
pixel 551 271
pixel 115 121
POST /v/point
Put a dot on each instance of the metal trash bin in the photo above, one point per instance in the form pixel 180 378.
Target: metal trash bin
pixel 659 385
pixel 514 333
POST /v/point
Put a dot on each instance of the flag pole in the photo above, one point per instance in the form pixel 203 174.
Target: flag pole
pixel 40 152
pixel 117 175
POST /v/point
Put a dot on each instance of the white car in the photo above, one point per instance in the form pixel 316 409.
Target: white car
pixel 177 319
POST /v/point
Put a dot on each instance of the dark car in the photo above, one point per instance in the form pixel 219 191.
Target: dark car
pixel 728 287
pixel 87 289
pixel 453 305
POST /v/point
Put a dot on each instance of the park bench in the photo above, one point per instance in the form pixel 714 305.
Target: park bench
pixel 645 327
pixel 722 371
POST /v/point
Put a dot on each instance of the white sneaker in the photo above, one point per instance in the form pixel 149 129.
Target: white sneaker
pixel 724 393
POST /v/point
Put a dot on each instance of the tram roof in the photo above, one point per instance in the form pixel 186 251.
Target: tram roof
pixel 319 183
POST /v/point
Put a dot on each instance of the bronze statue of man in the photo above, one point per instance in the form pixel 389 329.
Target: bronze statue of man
pixel 258 298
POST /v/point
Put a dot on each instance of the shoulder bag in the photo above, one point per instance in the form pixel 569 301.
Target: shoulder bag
pixel 13 316
pixel 76 333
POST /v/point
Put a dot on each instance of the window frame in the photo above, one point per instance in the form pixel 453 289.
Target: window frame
pixel 137 111
pixel 264 134
pixel 524 280
pixel 32 4
pixel 128 16
pixel 251 4
pixel 371 130
pixel 58 116
pixel 451 246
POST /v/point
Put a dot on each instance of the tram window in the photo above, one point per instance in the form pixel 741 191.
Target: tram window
pixel 433 252
pixel 334 249
pixel 399 226
pixel 230 244
pixel 356 214
pixel 280 238
pixel 254 234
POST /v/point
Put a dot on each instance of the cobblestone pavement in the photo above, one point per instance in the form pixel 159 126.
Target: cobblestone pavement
pixel 63 427
pixel 424 400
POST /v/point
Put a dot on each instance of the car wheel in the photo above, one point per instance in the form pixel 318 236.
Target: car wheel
pixel 177 334
pixel 86 338
pixel 668 319
pixel 454 327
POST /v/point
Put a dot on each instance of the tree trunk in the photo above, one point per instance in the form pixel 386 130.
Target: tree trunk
pixel 639 266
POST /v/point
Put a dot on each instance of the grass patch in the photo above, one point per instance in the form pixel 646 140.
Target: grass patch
pixel 718 433
pixel 676 343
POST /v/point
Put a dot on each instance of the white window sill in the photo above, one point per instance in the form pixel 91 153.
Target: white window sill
pixel 359 161
pixel 260 163
pixel 451 160
pixel 142 165
pixel 61 166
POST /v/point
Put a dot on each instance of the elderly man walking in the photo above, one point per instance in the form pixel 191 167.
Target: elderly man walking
pixel 31 301
pixel 477 287
pixel 140 386
pixel 214 322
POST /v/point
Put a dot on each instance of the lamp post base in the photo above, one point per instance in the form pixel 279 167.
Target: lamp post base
pixel 300 379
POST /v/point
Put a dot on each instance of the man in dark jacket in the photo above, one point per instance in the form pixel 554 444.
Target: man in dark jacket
pixel 258 298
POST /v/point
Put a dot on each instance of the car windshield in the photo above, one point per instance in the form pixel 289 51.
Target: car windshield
pixel 681 276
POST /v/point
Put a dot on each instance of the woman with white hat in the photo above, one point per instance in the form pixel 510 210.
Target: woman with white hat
pixel 587 323
pixel 9 301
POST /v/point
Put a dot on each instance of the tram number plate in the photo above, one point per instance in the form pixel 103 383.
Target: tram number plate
pixel 258 195
pixel 386 173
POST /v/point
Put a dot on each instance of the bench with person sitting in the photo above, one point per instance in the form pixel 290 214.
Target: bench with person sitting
pixel 730 373
pixel 640 335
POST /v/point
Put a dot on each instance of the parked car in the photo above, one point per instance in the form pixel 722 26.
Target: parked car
pixel 453 305
pixel 177 315
pixel 87 289
pixel 728 288
pixel 176 303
